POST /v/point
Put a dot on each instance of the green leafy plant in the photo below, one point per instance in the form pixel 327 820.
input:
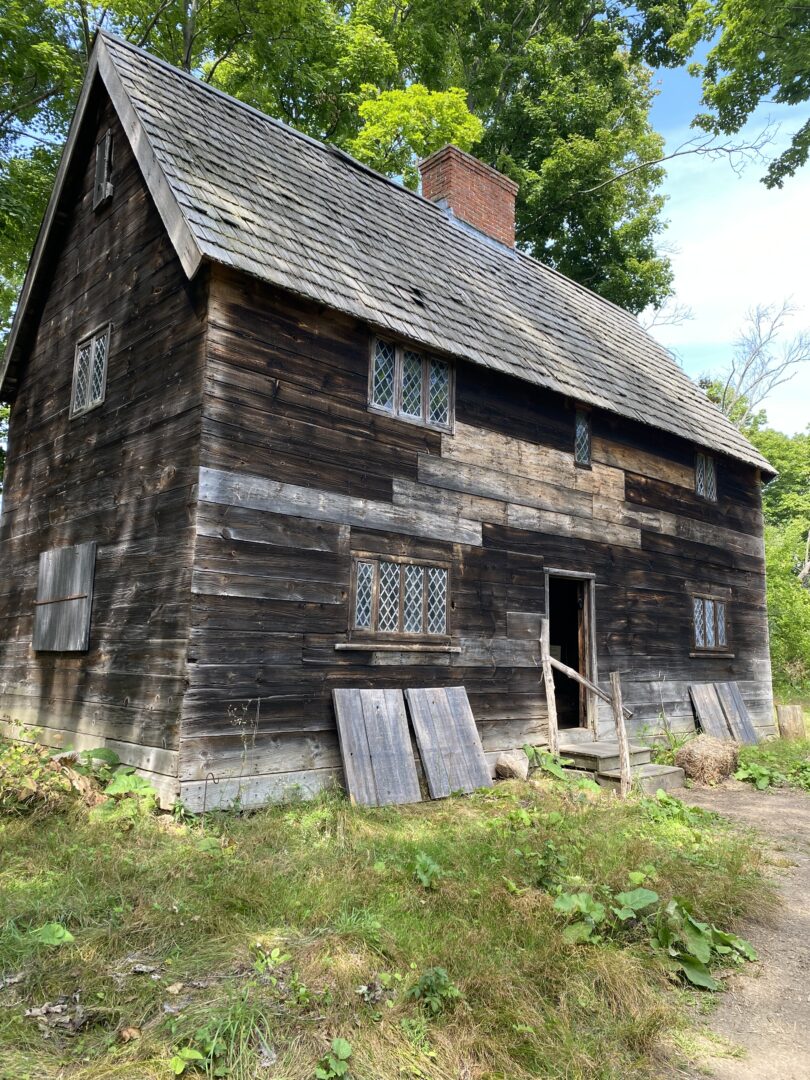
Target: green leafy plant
pixel 185 1057
pixel 52 934
pixel 542 759
pixel 587 915
pixel 434 991
pixel 776 764
pixel 30 781
pixel 690 946
pixel 335 1064
pixel 426 871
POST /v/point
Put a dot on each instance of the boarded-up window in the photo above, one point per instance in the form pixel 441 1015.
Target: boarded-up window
pixel 706 477
pixel 394 596
pixel 411 385
pixel 102 185
pixel 90 371
pixel 582 437
pixel 64 599
pixel 709 622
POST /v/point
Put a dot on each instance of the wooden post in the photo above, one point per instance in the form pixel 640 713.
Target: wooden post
pixel 791 722
pixel 548 679
pixel 621 734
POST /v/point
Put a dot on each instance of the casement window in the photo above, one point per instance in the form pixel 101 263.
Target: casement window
pixel 706 477
pixel 90 371
pixel 411 385
pixel 102 184
pixel 582 437
pixel 64 599
pixel 395 596
pixel 709 618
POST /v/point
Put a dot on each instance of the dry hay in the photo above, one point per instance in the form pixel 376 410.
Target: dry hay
pixel 707 760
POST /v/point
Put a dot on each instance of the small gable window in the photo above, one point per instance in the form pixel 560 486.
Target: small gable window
pixel 706 477
pixel 582 437
pixel 102 185
pixel 411 385
pixel 90 371
pixel 64 599
pixel 399 597
pixel 709 620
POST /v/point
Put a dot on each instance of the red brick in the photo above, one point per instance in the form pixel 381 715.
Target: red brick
pixel 475 192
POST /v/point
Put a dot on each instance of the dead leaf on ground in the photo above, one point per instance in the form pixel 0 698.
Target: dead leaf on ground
pixel 175 988
pixel 130 1033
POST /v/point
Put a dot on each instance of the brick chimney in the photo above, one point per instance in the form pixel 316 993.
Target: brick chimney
pixel 473 191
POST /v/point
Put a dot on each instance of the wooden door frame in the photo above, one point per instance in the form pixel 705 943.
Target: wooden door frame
pixel 589 619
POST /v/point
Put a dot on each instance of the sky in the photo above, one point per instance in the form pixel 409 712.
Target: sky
pixel 733 244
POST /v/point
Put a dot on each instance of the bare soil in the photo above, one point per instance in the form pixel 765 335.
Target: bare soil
pixel 766 1010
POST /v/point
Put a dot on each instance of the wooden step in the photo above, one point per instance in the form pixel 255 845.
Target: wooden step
pixel 601 756
pixel 648 777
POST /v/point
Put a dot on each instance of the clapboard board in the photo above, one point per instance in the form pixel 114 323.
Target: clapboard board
pixel 448 740
pixel 722 712
pixel 375 746
pixel 710 714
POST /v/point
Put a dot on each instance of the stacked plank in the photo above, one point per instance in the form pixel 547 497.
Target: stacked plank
pixel 721 711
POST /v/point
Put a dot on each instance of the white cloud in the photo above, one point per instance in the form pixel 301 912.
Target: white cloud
pixel 737 244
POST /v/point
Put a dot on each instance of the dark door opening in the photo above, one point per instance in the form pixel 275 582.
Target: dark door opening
pixel 568 640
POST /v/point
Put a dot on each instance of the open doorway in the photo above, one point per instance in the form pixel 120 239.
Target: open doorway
pixel 570 614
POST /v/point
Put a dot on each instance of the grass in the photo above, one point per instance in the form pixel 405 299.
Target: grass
pixel 776 763
pixel 264 938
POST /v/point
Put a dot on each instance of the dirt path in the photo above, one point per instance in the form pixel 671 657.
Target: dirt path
pixel 766 1010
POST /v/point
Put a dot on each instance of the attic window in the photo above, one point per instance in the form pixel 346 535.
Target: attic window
pixel 706 477
pixel 709 622
pixel 102 185
pixel 410 385
pixel 582 437
pixel 395 596
pixel 90 371
pixel 64 599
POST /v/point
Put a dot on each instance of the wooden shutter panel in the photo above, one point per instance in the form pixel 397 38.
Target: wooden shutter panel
pixel 64 599
pixel 102 188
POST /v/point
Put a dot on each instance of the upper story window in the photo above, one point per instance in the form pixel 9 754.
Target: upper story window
pixel 90 371
pixel 102 184
pixel 411 385
pixel 706 477
pixel 392 596
pixel 709 621
pixel 582 437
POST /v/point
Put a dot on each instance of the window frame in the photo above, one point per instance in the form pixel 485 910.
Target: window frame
pixel 706 458
pixel 583 411
pixel 373 633
pixel 103 332
pixel 715 598
pixel 395 411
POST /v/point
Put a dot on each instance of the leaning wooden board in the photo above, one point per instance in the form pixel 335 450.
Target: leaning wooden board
pixel 732 704
pixel 375 746
pixel 709 711
pixel 448 740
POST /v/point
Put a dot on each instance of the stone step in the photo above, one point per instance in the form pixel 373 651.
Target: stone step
pixel 572 735
pixel 601 756
pixel 648 777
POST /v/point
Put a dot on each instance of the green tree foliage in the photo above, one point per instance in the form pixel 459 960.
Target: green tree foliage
pixel 759 53
pixel 4 411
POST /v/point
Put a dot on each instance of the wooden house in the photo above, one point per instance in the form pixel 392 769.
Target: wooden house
pixel 280 425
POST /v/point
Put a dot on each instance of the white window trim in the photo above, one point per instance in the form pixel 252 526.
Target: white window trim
pixel 396 409
pixel 101 332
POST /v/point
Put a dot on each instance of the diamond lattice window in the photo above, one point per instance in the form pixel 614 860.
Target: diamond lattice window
pixel 709 622
pixel 706 477
pixel 90 372
pixel 582 438
pixel 410 385
pixel 400 597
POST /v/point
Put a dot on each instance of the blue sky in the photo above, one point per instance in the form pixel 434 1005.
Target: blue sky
pixel 733 244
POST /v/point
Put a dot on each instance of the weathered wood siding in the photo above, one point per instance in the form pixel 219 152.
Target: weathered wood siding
pixel 296 474
pixel 123 475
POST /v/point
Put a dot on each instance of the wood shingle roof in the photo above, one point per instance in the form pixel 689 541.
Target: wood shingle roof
pixel 239 188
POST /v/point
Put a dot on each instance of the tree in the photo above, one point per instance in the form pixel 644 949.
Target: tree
pixel 760 363
pixel 4 412
pixel 759 52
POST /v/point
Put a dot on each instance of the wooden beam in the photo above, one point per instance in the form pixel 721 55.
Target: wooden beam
pixel 621 734
pixel 548 679
pixel 572 674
